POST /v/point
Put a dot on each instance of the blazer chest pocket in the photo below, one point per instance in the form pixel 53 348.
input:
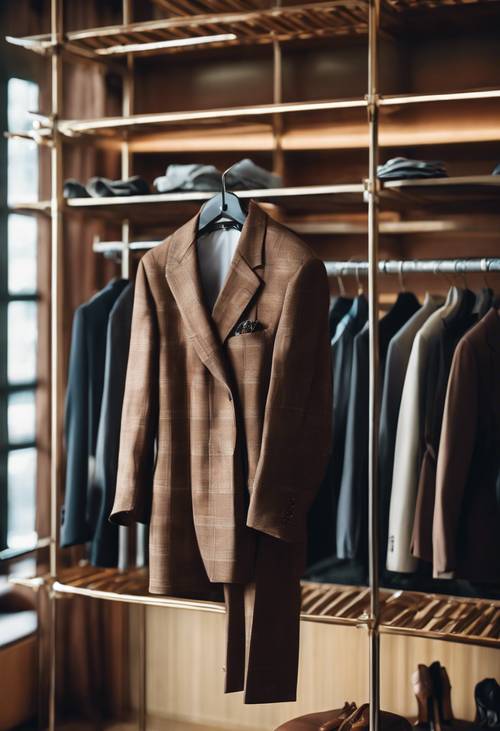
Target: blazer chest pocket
pixel 251 354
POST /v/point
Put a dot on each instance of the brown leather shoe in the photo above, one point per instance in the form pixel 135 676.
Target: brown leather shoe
pixel 446 710
pixel 423 689
pixel 360 721
pixel 321 721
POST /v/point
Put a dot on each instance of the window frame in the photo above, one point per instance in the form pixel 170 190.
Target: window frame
pixel 13 65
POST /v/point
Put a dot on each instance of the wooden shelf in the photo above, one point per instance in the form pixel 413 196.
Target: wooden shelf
pixel 237 23
pixel 451 194
pixel 244 23
pixel 447 119
pixel 315 197
pixel 453 619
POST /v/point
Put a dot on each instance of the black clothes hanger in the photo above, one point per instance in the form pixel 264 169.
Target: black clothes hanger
pixel 223 211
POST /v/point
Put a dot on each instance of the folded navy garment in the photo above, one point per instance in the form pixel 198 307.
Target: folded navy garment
pixel 400 168
pixel 73 189
pixel 496 170
pixel 243 175
pixel 104 188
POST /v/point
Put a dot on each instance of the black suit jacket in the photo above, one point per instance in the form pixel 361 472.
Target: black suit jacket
pixel 339 308
pixel 352 510
pixel 83 407
pixel 322 516
pixel 104 549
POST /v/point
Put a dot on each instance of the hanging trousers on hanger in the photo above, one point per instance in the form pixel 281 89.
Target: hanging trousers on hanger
pixel 242 424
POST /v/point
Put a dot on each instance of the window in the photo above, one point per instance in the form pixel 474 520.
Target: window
pixel 18 324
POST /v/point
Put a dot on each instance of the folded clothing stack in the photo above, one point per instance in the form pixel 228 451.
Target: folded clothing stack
pixel 402 168
pixel 243 175
pixel 105 188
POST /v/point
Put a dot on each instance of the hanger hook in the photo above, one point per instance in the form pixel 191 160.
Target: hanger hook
pixel 356 274
pixel 437 270
pixel 485 269
pixel 457 271
pixel 340 282
pixel 223 191
pixel 402 285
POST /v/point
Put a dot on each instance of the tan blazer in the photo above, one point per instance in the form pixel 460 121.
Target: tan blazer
pixel 242 424
pixel 466 526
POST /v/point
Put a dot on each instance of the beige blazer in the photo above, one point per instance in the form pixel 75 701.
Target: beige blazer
pixel 242 425
pixel 409 446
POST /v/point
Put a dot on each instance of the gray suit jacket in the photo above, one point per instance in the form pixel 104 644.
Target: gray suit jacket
pixel 352 511
pixel 82 412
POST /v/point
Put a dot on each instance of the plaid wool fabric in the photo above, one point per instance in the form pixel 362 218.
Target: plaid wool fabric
pixel 242 426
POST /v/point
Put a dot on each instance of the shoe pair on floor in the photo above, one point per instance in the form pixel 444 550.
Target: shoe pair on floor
pixel 433 693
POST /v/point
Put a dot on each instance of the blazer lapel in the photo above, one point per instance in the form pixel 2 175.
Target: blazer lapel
pixel 182 273
pixel 183 278
pixel 242 281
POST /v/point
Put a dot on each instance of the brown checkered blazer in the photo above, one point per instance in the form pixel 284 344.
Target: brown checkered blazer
pixel 242 424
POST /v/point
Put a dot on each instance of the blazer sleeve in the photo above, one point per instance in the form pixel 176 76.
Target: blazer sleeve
pixel 456 449
pixel 297 422
pixel 407 456
pixel 74 528
pixel 139 421
pixel 352 508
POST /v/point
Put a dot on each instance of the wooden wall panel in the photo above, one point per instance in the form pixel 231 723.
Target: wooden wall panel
pixel 185 654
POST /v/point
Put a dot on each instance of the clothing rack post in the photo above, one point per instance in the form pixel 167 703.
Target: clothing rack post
pixel 278 157
pixel 372 195
pixel 56 333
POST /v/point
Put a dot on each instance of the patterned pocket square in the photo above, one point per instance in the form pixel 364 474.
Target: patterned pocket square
pixel 247 326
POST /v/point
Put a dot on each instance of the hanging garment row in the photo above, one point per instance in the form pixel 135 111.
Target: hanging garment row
pixel 439 438
pixel 220 374
pixel 98 360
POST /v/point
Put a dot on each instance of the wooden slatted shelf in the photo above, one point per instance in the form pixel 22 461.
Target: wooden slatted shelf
pixel 242 22
pixel 247 22
pixel 454 619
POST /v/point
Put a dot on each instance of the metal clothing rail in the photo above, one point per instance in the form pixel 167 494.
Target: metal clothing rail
pixel 416 266
pixel 349 267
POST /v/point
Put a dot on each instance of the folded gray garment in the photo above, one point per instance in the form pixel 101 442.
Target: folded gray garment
pixel 104 188
pixel 404 162
pixel 427 168
pixel 244 175
pixel 189 177
pixel 409 174
pixel 74 189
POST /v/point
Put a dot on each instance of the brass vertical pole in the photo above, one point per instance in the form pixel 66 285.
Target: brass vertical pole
pixel 374 381
pixel 278 157
pixel 142 711
pixel 127 109
pixel 56 335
